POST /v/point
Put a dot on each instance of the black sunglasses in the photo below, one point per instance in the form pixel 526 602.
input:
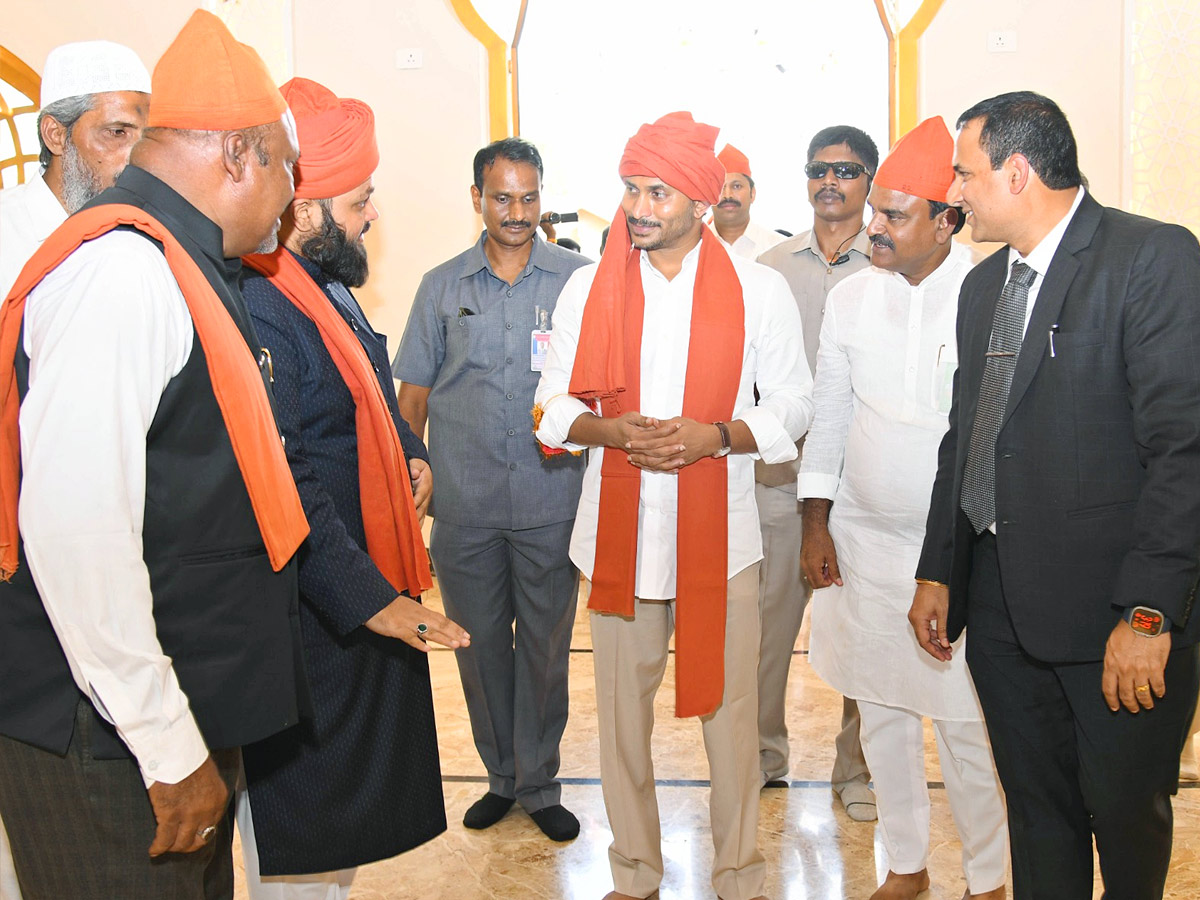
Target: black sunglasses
pixel 846 171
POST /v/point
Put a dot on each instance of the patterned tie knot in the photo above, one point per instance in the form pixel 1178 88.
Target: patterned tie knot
pixel 1022 274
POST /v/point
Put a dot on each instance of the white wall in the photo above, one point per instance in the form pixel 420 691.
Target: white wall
pixel 1072 52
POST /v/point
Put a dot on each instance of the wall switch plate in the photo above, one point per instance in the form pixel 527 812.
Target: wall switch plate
pixel 409 58
pixel 1002 42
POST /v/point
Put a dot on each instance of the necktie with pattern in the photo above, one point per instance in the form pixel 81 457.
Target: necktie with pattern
pixel 979 479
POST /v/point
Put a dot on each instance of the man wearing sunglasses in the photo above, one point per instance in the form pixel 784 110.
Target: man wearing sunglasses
pixel 841 162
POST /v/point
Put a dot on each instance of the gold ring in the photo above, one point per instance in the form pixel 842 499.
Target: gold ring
pixel 205 834
pixel 1142 687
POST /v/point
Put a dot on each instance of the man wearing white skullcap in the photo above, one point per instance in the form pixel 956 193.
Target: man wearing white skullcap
pixel 94 98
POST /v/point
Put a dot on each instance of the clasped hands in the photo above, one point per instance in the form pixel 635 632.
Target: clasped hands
pixel 662 445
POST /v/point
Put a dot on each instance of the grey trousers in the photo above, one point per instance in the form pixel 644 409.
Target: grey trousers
pixel 81 827
pixel 515 592
pixel 783 596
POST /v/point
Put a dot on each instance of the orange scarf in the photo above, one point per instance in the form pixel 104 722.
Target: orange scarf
pixel 236 382
pixel 608 368
pixel 394 539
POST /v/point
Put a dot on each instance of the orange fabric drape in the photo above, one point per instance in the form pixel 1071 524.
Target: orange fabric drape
pixel 236 381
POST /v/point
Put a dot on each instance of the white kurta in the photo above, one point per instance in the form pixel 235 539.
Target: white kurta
pixel 882 392
pixel 773 362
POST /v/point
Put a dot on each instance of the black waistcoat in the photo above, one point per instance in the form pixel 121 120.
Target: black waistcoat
pixel 228 621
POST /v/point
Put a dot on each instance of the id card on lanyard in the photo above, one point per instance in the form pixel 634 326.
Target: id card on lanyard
pixel 539 339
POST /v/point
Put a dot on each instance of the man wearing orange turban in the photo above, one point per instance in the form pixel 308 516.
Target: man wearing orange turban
pixel 148 611
pixel 731 214
pixel 653 363
pixel 885 366
pixel 371 746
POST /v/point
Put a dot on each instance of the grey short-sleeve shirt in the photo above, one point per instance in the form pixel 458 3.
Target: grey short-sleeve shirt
pixel 469 339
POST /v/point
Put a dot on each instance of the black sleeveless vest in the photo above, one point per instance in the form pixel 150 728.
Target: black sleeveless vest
pixel 229 623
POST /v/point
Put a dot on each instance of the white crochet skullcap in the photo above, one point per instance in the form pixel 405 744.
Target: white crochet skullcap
pixel 92 67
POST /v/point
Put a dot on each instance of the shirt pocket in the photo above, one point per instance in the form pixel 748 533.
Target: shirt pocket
pixel 467 345
pixel 941 381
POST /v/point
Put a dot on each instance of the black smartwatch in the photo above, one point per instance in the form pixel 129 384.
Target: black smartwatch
pixel 1146 621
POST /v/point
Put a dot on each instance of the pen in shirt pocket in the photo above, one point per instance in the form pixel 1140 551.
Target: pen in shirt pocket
pixel 1053 332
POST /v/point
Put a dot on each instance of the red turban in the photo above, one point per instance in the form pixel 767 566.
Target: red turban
pixel 207 81
pixel 921 163
pixel 678 150
pixel 734 160
pixel 337 140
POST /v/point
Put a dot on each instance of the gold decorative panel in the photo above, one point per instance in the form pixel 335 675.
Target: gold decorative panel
pixel 19 91
pixel 1164 124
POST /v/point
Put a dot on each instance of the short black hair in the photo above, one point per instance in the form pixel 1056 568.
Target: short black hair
pixel 514 149
pixel 856 139
pixel 937 207
pixel 1032 125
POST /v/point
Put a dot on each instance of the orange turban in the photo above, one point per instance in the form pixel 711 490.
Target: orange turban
pixel 734 160
pixel 678 150
pixel 207 81
pixel 337 140
pixel 921 163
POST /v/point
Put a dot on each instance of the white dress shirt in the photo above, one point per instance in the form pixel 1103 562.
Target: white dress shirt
pixel 29 212
pixel 754 240
pixel 1042 255
pixel 773 359
pixel 883 389
pixel 105 332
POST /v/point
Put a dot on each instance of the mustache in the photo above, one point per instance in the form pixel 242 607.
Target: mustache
pixel 881 240
pixel 366 227
pixel 643 223
pixel 515 223
pixel 830 192
pixel 730 202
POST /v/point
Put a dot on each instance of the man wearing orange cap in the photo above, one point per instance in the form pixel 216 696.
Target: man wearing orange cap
pixel 731 215
pixel 654 363
pixel 370 748
pixel 884 372
pixel 154 500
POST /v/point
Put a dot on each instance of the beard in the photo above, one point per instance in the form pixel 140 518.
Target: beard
pixel 80 183
pixel 269 244
pixel 338 256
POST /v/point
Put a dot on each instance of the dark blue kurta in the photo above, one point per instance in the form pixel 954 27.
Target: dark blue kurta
pixel 361 781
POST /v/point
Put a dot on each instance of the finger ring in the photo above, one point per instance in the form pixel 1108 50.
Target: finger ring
pixel 1142 687
pixel 422 629
pixel 205 834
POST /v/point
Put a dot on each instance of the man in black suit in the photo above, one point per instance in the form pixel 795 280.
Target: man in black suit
pixel 1064 526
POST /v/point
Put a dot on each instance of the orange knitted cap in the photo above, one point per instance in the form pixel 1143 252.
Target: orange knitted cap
pixel 207 81
pixel 921 163
pixel 734 160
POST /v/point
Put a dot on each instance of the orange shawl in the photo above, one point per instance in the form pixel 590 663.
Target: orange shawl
pixel 236 382
pixel 394 539
pixel 608 368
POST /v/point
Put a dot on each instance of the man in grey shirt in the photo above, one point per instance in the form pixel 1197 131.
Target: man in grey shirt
pixel 469 361
pixel 841 162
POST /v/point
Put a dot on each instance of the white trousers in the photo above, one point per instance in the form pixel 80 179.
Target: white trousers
pixel 894 745
pixel 9 889
pixel 320 886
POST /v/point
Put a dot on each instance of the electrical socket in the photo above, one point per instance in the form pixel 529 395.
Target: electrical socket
pixel 1002 42
pixel 409 58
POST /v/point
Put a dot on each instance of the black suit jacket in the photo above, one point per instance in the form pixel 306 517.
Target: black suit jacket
pixel 1098 456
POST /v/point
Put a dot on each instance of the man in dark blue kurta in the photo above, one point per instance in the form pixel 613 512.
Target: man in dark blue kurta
pixel 361 781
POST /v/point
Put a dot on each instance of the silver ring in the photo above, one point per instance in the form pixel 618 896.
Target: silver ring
pixel 422 629
pixel 205 834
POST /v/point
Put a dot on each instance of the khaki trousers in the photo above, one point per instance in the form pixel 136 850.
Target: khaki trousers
pixel 630 656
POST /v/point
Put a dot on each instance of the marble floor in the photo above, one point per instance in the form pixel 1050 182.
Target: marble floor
pixel 814 851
